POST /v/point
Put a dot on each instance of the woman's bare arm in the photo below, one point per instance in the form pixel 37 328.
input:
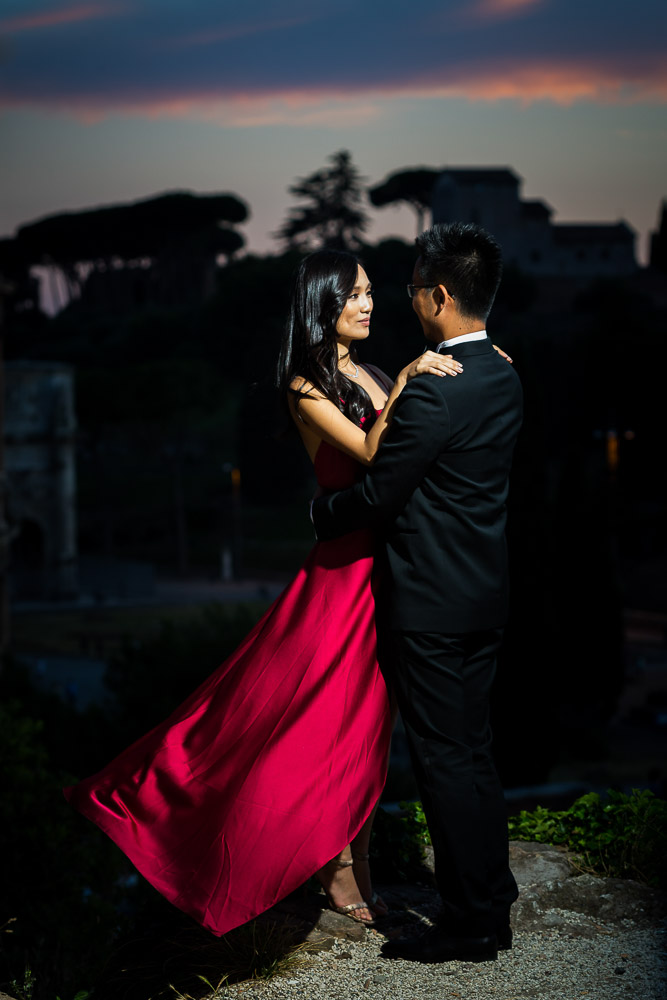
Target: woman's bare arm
pixel 325 421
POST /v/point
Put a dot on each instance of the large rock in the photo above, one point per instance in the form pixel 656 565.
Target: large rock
pixel 553 894
pixel 307 913
pixel 535 863
pixel 340 926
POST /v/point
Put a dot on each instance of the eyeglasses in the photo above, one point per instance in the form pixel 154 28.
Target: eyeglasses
pixel 413 288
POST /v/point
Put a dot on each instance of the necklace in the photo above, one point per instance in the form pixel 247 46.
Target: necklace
pixel 356 370
pixel 344 358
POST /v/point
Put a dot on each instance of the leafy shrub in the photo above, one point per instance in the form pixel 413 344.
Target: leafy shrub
pixel 398 841
pixel 621 836
pixel 59 877
pixel 174 959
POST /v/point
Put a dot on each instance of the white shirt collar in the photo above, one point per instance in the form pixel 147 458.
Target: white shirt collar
pixel 464 338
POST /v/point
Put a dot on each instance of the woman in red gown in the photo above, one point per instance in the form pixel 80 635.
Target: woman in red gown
pixel 271 770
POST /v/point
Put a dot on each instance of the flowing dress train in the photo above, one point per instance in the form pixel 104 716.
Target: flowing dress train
pixel 274 763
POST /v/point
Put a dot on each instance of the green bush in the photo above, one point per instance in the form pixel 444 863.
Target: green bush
pixel 59 877
pixel 398 841
pixel 620 836
pixel 166 956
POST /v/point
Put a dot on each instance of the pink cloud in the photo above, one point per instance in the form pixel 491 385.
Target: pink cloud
pixel 472 14
pixel 558 82
pixel 526 82
pixel 212 35
pixel 502 8
pixel 53 18
pixel 290 107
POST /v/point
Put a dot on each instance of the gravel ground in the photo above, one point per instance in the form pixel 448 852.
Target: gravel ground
pixel 625 962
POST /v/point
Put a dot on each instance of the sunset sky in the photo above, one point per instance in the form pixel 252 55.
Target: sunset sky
pixel 114 100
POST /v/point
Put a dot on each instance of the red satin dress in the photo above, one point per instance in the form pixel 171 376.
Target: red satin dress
pixel 272 766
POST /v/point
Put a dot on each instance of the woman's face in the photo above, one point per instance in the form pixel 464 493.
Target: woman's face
pixel 355 320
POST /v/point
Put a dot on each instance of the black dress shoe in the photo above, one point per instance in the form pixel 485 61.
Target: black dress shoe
pixel 436 946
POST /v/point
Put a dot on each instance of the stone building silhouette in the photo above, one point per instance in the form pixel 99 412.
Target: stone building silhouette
pixel 490 197
pixel 40 469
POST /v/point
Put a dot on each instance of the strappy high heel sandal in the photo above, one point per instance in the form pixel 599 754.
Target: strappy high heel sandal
pixel 376 904
pixel 350 910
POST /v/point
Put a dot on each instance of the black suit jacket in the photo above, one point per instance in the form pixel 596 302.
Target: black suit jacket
pixel 437 493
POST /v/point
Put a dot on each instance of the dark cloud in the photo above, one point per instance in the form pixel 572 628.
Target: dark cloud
pixel 159 55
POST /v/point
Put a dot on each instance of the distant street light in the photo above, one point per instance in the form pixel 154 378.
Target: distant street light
pixel 612 451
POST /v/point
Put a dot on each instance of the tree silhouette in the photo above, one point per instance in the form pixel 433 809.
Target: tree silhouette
pixel 414 186
pixel 166 231
pixel 332 215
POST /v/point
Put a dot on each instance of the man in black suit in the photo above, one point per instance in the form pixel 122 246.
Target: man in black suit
pixel 437 493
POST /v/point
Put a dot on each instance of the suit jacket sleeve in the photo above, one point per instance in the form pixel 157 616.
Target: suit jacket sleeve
pixel 419 431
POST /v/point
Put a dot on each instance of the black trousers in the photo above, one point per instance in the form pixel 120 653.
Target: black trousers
pixel 443 684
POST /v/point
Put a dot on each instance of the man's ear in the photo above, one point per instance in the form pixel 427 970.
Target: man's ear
pixel 440 297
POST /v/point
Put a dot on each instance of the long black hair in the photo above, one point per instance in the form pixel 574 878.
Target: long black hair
pixel 323 283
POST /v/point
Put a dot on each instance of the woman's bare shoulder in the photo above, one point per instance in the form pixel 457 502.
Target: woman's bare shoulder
pixel 302 394
pixel 303 387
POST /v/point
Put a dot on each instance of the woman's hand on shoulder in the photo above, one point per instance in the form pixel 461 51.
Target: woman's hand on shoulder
pixel 430 362
pixel 502 353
